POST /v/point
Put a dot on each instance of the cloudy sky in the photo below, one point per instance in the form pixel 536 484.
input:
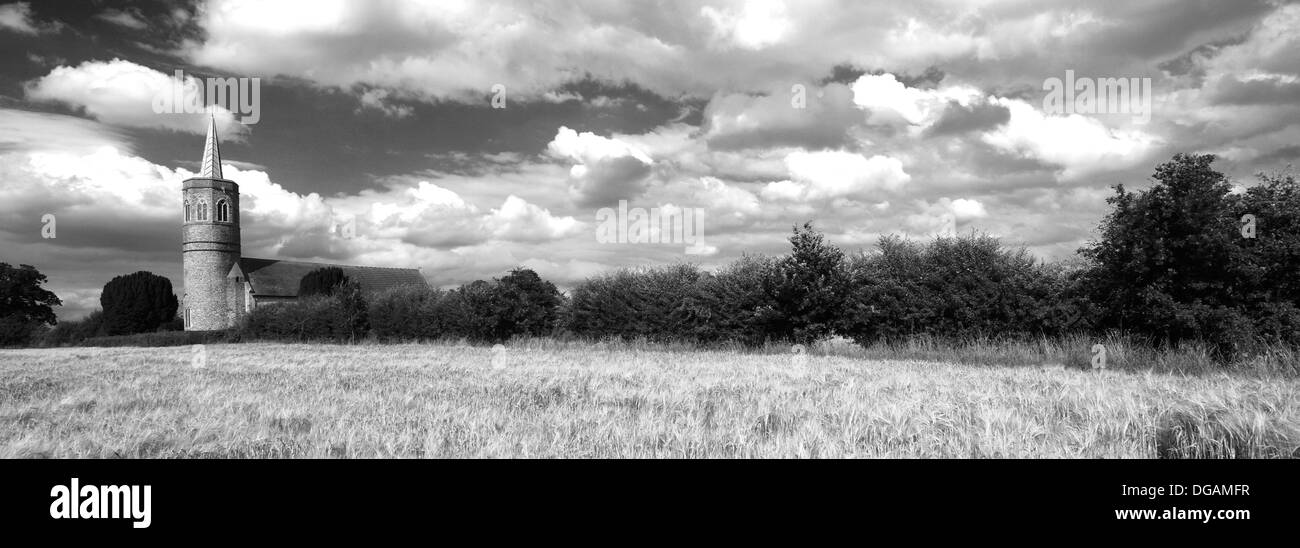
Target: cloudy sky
pixel 865 118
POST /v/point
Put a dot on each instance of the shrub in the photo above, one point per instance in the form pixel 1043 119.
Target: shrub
pixel 73 332
pixel 520 303
pixel 468 311
pixel 16 330
pixel 137 303
pixel 658 303
pixel 406 313
pixel 341 317
pixel 755 300
pixel 955 288
pixel 731 304
pixel 162 338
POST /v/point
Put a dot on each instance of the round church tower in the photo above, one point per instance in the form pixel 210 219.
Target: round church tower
pixel 209 242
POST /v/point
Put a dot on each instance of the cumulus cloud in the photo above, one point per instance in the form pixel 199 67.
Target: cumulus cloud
pixel 964 209
pixel 123 93
pixel 1076 144
pixel 892 102
pixel 605 170
pixel 837 174
pixel 104 199
pixel 521 221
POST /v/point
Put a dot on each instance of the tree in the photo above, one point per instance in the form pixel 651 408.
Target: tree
pixel 1270 276
pixel 1169 261
pixel 806 289
pixel 322 281
pixel 525 304
pixel 24 305
pixel 137 303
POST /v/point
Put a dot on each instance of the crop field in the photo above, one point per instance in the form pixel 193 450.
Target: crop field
pixel 545 400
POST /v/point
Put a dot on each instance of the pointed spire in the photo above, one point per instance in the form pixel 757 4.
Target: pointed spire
pixel 211 153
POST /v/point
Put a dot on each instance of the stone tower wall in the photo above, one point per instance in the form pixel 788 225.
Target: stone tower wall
pixel 209 249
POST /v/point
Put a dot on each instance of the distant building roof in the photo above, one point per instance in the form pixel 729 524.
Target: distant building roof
pixel 276 278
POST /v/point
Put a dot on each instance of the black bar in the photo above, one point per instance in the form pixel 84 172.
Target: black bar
pixel 321 498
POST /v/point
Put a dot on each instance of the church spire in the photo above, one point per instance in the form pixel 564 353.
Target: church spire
pixel 211 153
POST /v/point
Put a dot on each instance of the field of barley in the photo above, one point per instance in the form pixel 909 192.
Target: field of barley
pixel 262 400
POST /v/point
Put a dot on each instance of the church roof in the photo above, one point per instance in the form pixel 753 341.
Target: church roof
pixel 211 168
pixel 276 278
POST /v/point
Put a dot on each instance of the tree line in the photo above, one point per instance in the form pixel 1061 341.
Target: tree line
pixel 1186 259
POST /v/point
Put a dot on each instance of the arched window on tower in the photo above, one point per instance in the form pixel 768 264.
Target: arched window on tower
pixel 223 211
pixel 189 212
pixel 203 211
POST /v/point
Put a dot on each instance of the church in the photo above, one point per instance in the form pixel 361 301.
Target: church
pixel 221 286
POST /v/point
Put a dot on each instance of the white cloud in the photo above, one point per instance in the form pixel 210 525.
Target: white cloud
pixel 892 102
pixel 122 93
pixel 784 190
pixel 104 180
pixel 1077 144
pixel 17 17
pixel 589 148
pixel 521 221
pixel 605 170
pixel 718 196
pixel 965 209
pixel 23 130
pixel 755 25
pixel 837 174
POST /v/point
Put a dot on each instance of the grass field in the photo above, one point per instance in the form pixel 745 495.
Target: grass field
pixel 543 399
